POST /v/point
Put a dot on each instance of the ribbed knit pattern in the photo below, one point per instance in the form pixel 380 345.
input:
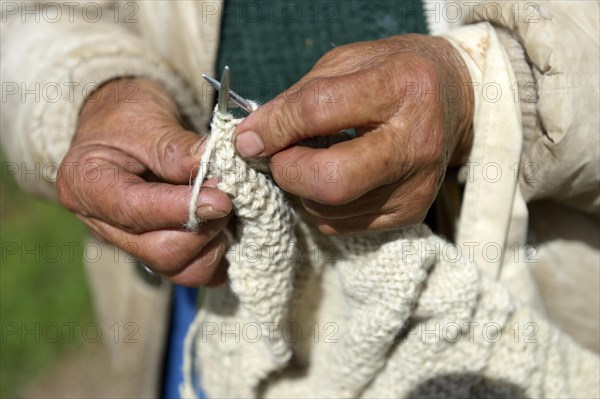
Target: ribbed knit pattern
pixel 528 96
pixel 528 93
pixel 393 314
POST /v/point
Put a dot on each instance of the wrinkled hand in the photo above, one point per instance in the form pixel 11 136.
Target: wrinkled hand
pixel 409 99
pixel 126 176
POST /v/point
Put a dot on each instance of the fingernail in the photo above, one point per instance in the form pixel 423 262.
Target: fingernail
pixel 211 182
pixel 208 212
pixel 249 144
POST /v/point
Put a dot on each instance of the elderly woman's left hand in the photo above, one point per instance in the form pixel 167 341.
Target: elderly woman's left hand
pixel 410 100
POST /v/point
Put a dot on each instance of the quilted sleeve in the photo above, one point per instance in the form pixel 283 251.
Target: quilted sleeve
pixel 54 54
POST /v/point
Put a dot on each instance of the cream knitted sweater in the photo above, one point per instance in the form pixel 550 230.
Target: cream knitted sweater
pixel 394 314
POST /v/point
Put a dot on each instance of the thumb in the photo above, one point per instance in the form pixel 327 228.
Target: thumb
pixel 318 107
pixel 173 155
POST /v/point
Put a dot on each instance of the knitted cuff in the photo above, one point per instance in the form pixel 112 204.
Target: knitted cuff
pixel 526 82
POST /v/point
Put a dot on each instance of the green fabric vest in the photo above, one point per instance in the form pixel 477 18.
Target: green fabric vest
pixel 269 45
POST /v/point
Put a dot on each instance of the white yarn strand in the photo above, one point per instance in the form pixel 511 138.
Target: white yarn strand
pixel 265 222
pixel 193 222
pixel 187 386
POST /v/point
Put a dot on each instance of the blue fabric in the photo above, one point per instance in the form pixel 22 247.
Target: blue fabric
pixel 182 315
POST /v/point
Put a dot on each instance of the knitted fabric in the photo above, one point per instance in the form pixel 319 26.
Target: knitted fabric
pixel 393 314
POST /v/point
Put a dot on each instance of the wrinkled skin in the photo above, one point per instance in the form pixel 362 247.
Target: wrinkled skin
pixel 127 173
pixel 409 99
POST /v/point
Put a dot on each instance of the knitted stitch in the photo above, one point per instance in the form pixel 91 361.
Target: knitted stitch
pixel 392 314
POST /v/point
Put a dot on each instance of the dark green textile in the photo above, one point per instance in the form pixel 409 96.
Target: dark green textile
pixel 271 44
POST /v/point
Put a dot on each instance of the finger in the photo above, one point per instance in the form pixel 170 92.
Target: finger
pixel 169 252
pixel 205 269
pixel 141 207
pixel 220 276
pixel 113 194
pixel 170 152
pixel 317 107
pixel 345 171
pixel 174 156
pixel 404 200
pixel 380 200
pixel 365 223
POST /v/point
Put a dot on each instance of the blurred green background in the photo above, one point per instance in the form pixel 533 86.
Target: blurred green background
pixel 42 287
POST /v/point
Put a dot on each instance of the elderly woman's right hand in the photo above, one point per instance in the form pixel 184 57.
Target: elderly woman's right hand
pixel 127 173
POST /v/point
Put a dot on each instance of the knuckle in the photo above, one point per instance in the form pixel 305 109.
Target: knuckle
pixel 65 194
pixel 326 96
pixel 173 257
pixel 127 213
pixel 74 179
pixel 426 143
pixel 285 125
pixel 210 258
pixel 172 147
pixel 338 52
pixel 308 103
pixel 168 147
pixel 66 198
pixel 312 107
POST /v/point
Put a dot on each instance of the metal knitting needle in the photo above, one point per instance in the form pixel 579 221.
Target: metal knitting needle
pixel 224 91
pixel 233 98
